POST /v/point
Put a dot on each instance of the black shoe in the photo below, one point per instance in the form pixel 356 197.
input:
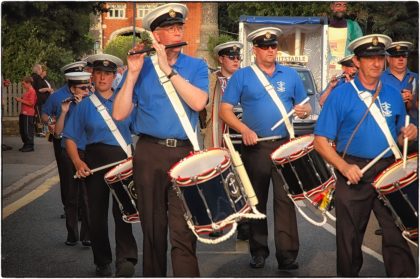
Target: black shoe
pixel 30 149
pixel 70 243
pixel 288 266
pixel 378 232
pixel 103 270
pixel 257 262
pixel 86 243
pixel 125 269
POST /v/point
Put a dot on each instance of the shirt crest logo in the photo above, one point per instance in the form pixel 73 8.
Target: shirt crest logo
pixel 281 86
pixel 386 109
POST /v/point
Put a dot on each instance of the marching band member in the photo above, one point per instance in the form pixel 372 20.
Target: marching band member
pixel 405 81
pixel 51 111
pixel 349 70
pixel 229 57
pixel 260 112
pixel 341 114
pixel 79 85
pixel 102 148
pixel 162 139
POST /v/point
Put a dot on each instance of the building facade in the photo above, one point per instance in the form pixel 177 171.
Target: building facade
pixel 121 17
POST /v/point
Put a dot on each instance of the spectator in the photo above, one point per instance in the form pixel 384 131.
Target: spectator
pixel 27 115
pixel 42 89
pixel 341 31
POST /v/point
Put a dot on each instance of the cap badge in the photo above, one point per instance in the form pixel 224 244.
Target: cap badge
pixel 375 41
pixel 397 47
pixel 235 48
pixel 268 35
pixel 80 68
pixel 172 13
pixel 105 63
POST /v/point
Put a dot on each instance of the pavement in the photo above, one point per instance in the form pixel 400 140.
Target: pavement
pixel 19 169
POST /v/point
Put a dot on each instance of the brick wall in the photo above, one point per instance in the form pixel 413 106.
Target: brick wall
pixel 192 25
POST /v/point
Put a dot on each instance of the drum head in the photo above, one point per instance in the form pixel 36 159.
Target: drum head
pixel 396 173
pixel 200 164
pixel 293 149
pixel 121 171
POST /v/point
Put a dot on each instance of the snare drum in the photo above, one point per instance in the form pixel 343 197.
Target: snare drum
pixel 398 189
pixel 120 182
pixel 210 189
pixel 306 175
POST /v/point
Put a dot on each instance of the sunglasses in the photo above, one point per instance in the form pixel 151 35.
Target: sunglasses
pixel 84 87
pixel 233 57
pixel 268 46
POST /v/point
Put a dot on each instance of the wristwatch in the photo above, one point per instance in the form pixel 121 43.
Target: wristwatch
pixel 173 73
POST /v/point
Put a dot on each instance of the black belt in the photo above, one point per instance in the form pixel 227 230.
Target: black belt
pixel 166 142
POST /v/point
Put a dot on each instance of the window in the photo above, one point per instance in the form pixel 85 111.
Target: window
pixel 116 11
pixel 144 9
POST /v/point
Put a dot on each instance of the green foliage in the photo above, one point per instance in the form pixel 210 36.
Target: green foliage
pixel 122 44
pixel 214 41
pixel 53 33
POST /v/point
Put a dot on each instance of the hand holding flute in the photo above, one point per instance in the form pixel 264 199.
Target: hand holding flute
pixel 146 50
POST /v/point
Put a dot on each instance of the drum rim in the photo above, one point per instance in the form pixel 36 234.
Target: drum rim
pixel 123 174
pixel 188 181
pixel 296 155
pixel 389 169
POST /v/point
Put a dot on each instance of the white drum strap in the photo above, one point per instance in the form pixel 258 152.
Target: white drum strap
pixel 366 97
pixel 270 89
pixel 111 125
pixel 176 104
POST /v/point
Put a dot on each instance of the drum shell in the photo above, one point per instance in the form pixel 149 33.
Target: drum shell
pixel 304 168
pixel 120 180
pixel 216 197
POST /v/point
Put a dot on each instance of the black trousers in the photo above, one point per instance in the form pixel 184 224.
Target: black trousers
pixel 159 206
pixel 97 155
pixel 57 154
pixel 261 170
pixel 26 130
pixel 75 193
pixel 354 204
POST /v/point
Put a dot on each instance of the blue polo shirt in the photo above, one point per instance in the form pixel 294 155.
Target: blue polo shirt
pixel 155 115
pixel 343 110
pixel 52 106
pixel 86 122
pixel 388 78
pixel 259 110
pixel 81 143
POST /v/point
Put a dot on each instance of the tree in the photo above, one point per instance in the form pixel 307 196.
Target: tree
pixel 53 33
pixel 122 44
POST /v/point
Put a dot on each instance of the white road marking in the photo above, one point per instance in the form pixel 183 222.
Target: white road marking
pixel 365 249
pixel 30 197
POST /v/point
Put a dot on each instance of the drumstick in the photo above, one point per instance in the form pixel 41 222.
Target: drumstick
pixel 239 166
pixel 288 115
pixel 103 167
pixel 258 139
pixel 371 163
pixel 407 122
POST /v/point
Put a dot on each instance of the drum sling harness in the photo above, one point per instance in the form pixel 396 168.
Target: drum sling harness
pixel 176 104
pixel 270 90
pixel 366 97
pixel 111 125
